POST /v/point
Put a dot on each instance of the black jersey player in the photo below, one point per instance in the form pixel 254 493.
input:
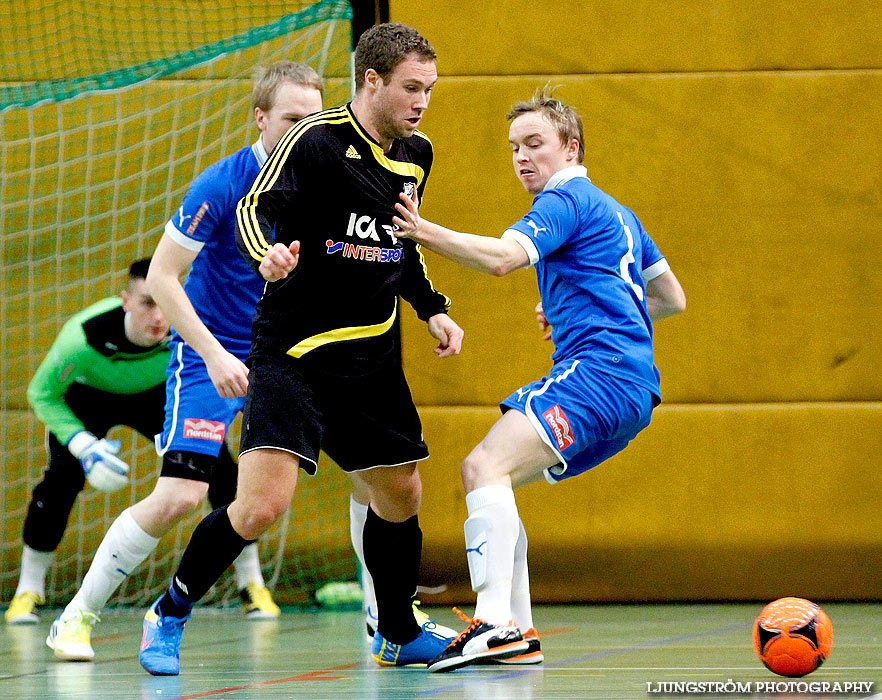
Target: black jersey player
pixel 325 367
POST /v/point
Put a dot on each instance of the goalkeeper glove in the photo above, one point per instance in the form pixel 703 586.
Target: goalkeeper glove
pixel 103 469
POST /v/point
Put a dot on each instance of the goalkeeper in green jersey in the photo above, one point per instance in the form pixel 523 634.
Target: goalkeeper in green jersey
pixel 105 368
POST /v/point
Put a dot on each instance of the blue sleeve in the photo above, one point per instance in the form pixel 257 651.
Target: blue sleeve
pixel 651 253
pixel 551 222
pixel 203 207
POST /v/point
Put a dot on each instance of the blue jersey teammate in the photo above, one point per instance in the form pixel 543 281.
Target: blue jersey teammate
pixel 211 316
pixel 601 281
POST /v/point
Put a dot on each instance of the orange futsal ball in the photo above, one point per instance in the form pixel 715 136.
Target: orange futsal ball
pixel 792 636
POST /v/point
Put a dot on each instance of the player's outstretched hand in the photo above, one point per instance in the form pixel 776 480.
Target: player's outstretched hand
pixel 103 469
pixel 450 335
pixel 544 325
pixel 279 261
pixel 409 221
pixel 228 374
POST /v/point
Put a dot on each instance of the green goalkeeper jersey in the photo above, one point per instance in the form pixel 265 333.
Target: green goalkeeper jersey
pixel 92 349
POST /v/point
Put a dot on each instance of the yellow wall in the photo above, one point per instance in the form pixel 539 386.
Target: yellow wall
pixel 549 38
pixel 710 502
pixel 746 139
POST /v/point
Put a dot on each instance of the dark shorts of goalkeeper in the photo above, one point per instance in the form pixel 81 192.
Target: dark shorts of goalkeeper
pixel 361 421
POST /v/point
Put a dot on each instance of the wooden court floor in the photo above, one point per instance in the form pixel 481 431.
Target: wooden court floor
pixel 606 652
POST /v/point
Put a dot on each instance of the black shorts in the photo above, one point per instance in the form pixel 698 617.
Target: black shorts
pixel 360 422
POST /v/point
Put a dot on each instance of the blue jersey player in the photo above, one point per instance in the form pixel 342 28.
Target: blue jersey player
pixel 207 379
pixel 601 280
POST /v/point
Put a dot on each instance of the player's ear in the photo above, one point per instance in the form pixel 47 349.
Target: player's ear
pixel 126 297
pixel 260 118
pixel 372 78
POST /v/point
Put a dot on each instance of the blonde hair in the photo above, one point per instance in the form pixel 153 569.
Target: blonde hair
pixel 267 81
pixel 564 118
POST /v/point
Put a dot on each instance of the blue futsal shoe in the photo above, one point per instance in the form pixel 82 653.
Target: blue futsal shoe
pixel 428 644
pixel 161 643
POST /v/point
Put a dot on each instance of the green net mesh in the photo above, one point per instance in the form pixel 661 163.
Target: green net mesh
pixel 107 112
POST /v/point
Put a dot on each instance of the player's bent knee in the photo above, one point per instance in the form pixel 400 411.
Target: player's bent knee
pixel 399 500
pixel 189 499
pixel 482 468
pixel 251 520
pixel 395 492
pixel 181 504
pixel 471 470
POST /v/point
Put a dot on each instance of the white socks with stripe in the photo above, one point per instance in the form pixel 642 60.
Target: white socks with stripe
pixel 491 533
pixel 123 548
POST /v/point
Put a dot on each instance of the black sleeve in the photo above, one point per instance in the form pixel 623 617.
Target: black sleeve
pixel 259 211
pixel 416 287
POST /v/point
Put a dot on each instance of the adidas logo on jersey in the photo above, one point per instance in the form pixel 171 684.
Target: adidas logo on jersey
pixel 352 153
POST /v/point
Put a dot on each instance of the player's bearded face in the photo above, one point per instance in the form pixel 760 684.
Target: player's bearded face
pixel 537 152
pixel 401 99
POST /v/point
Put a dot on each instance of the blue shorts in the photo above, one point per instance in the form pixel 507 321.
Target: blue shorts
pixel 196 417
pixel 585 416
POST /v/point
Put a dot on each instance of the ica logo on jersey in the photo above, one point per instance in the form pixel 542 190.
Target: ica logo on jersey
pixel 366 227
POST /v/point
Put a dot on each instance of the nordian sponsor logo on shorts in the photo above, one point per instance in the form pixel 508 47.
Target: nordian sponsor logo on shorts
pixel 560 426
pixel 201 429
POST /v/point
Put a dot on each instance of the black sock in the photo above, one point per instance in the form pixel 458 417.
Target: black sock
pixel 213 547
pixel 392 556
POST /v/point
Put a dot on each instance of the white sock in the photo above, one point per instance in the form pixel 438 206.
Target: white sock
pixel 491 532
pixel 34 565
pixel 123 548
pixel 520 583
pixel 357 516
pixel 247 567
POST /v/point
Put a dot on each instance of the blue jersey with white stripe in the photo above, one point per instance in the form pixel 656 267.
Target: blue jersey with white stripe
pixel 591 254
pixel 222 287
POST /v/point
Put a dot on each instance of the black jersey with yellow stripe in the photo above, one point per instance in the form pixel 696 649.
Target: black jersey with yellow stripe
pixel 330 185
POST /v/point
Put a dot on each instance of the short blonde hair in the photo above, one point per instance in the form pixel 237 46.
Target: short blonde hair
pixel 564 118
pixel 267 81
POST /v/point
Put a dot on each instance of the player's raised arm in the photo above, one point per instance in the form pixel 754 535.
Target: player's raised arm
pixel 494 256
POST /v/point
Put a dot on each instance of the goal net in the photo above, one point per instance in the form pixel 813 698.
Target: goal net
pixel 108 111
